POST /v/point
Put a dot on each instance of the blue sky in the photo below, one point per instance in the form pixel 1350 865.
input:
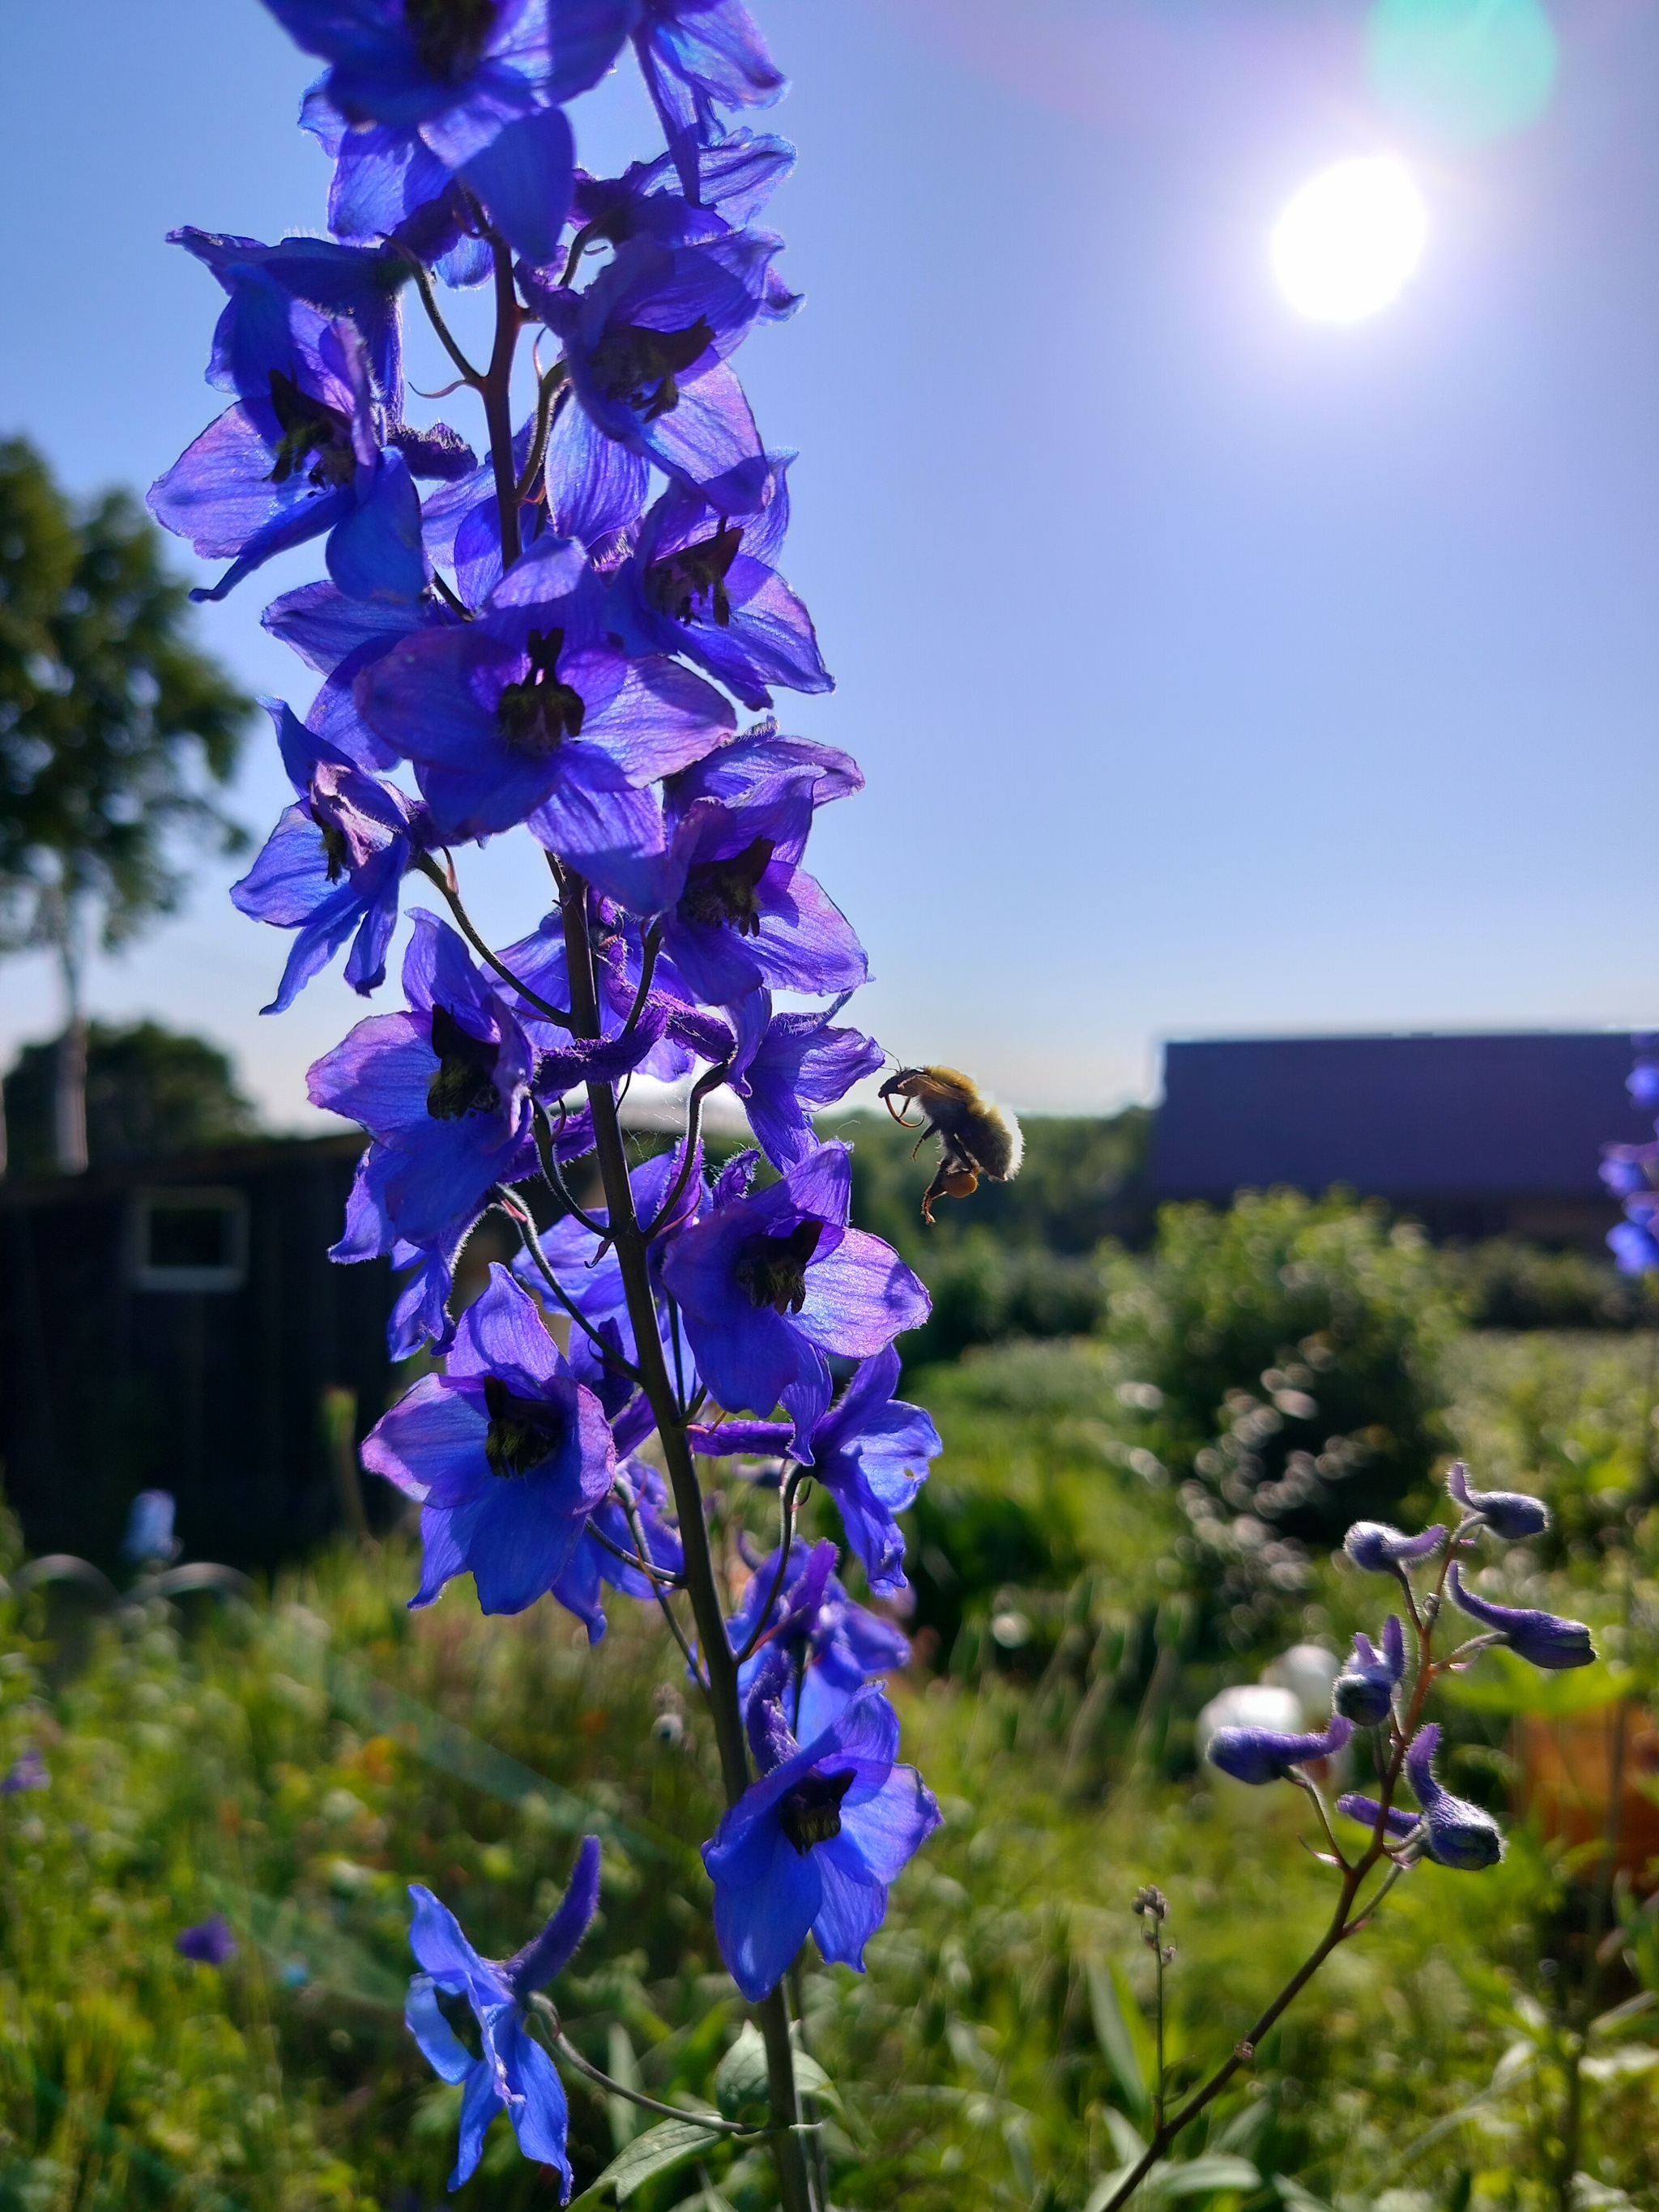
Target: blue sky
pixel 1213 672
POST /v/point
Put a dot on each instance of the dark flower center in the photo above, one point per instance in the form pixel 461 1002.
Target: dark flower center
pixel 638 366
pixel 718 892
pixel 811 1812
pixel 464 1082
pixel 677 585
pixel 540 711
pixel 522 1434
pixel 449 35
pixel 336 849
pixel 773 1269
pixel 308 427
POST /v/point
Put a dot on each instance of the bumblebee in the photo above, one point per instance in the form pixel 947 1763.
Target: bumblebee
pixel 975 1138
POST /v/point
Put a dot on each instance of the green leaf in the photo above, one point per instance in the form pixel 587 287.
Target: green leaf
pixel 1295 2197
pixel 1128 2145
pixel 1113 2009
pixel 740 2077
pixel 1203 2176
pixel 661 2148
pixel 627 2119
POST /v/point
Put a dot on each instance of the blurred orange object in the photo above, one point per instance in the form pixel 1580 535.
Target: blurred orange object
pixel 1566 1781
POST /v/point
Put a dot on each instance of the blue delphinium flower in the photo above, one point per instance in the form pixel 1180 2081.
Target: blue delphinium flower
pixel 696 56
pixel 300 458
pixel 870 1451
pixel 646 344
pixel 211 1943
pixel 769 1284
pixel 739 912
pixel 339 638
pixel 1258 1755
pixel 1381 1549
pixel 1511 1514
pixel 1365 1689
pixel 416 95
pixel 1458 1834
pixel 531 714
pixel 360 282
pixel 443 1088
pixel 812 1846
pixel 1545 1639
pixel 834 1645
pixel 506 1452
pixel 703 582
pixel 28 1771
pixel 149 1534
pixel 333 867
pixel 513 2072
pixel 784 1065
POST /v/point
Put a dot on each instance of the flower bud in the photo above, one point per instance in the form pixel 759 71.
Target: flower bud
pixel 1511 1514
pixel 1545 1639
pixel 1380 1549
pixel 1258 1755
pixel 1458 1834
pixel 1365 1688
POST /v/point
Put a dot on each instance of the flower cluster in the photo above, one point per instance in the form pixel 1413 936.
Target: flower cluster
pixel 1379 1691
pixel 1630 1172
pixel 577 632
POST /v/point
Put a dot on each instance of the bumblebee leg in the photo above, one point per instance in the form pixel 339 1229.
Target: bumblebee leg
pixel 900 1115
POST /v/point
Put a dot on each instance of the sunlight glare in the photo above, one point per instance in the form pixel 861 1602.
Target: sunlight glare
pixel 1349 240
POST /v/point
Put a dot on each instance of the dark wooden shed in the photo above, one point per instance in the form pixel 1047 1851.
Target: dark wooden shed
pixel 176 1327
pixel 1476 1136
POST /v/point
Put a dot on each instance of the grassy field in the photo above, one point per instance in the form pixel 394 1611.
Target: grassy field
pixel 293 1764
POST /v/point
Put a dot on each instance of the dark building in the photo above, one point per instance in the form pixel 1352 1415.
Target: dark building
pixel 1475 1136
pixel 180 1325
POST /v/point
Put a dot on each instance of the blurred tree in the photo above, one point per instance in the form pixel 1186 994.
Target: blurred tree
pixel 114 729
pixel 150 1090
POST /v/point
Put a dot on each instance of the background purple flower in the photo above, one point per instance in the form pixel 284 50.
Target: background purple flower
pixel 209 1943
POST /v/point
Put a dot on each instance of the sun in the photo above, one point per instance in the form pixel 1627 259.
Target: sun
pixel 1349 240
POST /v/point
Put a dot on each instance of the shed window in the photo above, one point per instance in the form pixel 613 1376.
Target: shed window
pixel 189 1240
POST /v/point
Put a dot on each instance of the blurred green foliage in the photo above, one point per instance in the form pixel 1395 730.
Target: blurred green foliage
pixel 293 1764
pixel 150 1091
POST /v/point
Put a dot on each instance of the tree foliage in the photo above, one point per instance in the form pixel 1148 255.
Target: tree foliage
pixel 150 1091
pixel 115 729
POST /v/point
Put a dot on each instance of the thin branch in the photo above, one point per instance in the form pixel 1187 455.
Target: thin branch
pixel 700 1090
pixel 526 1228
pixel 644 1566
pixel 553 2027
pixel 429 868
pixel 547 1154
pixel 630 1507
pixel 1313 1791
pixel 546 386
pixel 428 300
pixel 765 1613
pixel 650 947
pixel 450 598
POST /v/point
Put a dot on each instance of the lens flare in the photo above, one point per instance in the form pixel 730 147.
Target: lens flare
pixel 1349 240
